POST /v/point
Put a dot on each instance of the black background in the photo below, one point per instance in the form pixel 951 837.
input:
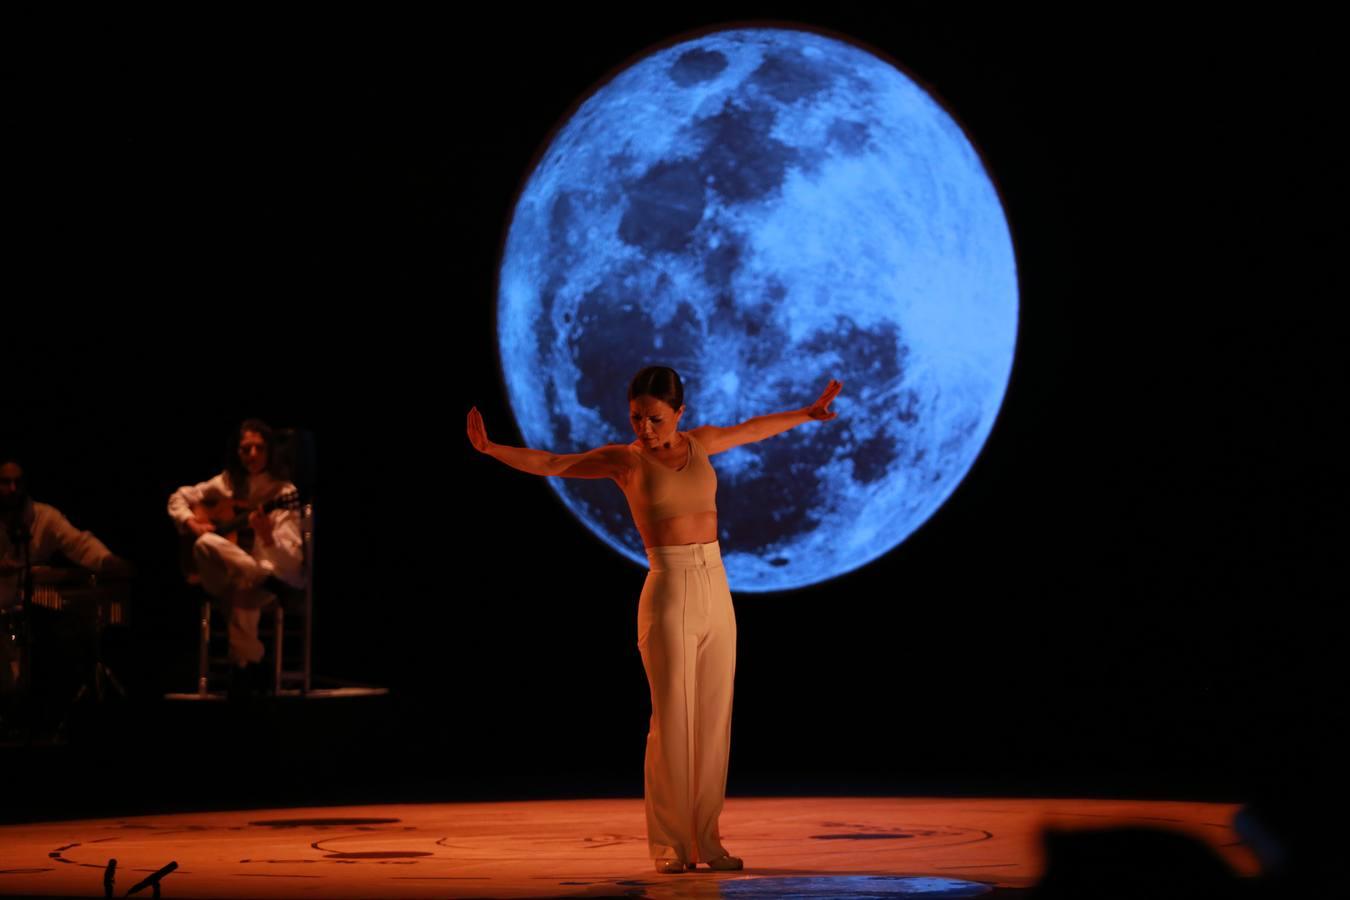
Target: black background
pixel 1134 591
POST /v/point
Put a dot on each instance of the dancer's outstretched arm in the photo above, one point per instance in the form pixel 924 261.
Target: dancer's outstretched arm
pixel 609 461
pixel 716 439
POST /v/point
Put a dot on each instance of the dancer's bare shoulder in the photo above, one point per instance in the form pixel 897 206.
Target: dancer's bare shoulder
pixel 716 439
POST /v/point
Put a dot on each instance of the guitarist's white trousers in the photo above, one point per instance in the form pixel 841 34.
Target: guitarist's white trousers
pixel 231 575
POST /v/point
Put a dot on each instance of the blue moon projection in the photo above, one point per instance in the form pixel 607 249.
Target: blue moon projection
pixel 763 209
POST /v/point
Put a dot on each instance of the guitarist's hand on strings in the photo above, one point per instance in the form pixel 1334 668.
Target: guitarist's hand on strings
pixel 261 523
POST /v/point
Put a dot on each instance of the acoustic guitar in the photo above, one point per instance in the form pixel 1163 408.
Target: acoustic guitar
pixel 230 516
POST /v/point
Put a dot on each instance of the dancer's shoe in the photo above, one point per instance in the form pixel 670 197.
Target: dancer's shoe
pixel 669 866
pixel 726 863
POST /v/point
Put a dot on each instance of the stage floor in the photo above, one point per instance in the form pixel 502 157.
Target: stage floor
pixel 821 846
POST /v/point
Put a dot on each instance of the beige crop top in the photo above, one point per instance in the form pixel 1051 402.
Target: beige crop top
pixel 665 492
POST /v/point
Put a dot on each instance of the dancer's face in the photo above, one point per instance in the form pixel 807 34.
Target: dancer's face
pixel 654 422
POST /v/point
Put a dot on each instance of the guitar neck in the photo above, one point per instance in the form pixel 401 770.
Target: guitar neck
pixel 240 521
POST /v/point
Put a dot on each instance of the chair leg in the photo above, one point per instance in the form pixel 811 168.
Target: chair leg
pixel 278 638
pixel 203 650
pixel 308 636
pixel 307 545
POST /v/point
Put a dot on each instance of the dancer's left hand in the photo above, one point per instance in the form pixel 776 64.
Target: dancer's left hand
pixel 820 409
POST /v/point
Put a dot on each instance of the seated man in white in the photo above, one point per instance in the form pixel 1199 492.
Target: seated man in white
pixel 244 577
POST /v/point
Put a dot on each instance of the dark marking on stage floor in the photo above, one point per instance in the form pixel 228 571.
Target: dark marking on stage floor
pixel 614 838
pixel 879 833
pixel 440 877
pixel 1086 815
pixel 441 842
pixel 24 871
pixel 321 823
pixel 354 855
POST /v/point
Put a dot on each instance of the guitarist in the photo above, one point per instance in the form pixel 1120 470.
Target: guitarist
pixel 243 568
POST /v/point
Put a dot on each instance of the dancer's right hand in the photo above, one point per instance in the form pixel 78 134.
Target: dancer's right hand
pixel 477 433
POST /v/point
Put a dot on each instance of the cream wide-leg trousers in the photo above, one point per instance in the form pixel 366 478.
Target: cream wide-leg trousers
pixel 687 637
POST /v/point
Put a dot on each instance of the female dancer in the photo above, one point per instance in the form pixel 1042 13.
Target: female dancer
pixel 686 624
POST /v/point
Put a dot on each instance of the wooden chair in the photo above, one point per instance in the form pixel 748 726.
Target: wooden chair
pixel 290 617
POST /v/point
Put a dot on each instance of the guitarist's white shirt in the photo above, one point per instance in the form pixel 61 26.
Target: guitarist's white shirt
pixel 284 557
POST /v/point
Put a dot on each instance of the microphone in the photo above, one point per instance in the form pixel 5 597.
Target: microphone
pixel 152 881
